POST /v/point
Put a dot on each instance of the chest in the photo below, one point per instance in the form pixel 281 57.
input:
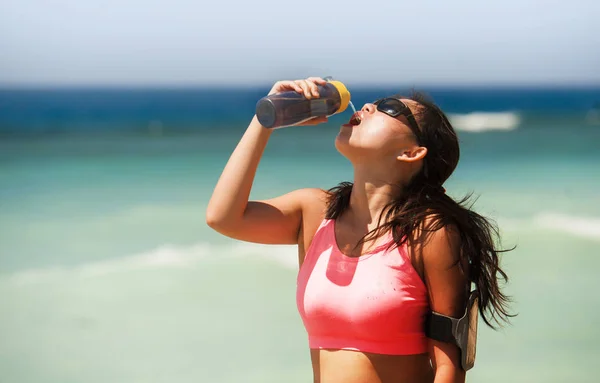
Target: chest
pixel 377 283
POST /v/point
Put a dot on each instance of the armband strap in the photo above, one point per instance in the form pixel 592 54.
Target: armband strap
pixel 461 332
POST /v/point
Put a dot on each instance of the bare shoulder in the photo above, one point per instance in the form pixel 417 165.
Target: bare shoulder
pixel 314 207
pixel 442 245
pixel 445 270
pixel 313 193
pixel 434 246
pixel 433 235
pixel 312 198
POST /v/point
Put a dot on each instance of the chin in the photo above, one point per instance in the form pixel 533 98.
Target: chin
pixel 344 146
pixel 342 142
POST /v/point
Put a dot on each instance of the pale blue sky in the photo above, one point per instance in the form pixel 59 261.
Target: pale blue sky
pixel 187 43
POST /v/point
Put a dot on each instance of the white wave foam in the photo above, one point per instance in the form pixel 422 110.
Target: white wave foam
pixel 484 121
pixel 587 227
pixel 284 255
pixel 166 256
pixel 513 224
pixel 584 227
pixel 169 256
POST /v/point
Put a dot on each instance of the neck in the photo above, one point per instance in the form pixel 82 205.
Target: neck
pixel 370 195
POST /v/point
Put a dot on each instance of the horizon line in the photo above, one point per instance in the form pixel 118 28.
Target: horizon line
pixel 249 86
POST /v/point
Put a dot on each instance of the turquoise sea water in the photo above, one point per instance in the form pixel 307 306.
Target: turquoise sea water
pixel 108 272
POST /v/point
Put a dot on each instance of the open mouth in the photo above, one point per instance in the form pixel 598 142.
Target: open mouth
pixel 354 120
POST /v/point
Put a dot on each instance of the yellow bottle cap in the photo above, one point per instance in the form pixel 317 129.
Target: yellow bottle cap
pixel 344 95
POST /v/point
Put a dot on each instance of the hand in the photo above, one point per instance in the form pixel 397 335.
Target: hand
pixel 308 88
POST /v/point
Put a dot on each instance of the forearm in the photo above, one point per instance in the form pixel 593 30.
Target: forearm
pixel 230 195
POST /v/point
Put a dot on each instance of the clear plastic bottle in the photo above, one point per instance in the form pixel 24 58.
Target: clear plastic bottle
pixel 290 108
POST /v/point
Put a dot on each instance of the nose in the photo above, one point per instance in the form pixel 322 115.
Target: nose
pixel 369 108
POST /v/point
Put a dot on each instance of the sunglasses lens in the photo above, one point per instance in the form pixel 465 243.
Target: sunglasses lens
pixel 391 106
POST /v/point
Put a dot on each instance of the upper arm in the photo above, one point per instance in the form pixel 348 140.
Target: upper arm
pixel 447 287
pixel 273 221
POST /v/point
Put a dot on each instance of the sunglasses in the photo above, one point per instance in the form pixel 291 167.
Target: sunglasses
pixel 393 107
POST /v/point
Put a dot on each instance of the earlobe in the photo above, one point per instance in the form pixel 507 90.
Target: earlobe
pixel 413 154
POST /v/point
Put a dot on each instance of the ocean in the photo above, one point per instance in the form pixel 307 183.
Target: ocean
pixel 108 272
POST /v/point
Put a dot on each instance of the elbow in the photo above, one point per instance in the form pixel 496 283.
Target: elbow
pixel 213 219
pixel 219 221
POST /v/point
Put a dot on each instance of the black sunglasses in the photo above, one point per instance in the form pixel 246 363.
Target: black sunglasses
pixel 393 107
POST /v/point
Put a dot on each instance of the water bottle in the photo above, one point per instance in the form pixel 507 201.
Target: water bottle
pixel 290 108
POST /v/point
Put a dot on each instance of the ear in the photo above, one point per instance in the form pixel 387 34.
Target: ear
pixel 413 154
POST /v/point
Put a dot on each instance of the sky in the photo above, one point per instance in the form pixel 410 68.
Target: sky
pixel 195 42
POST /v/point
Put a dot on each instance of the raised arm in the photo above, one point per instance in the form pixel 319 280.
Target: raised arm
pixel 273 221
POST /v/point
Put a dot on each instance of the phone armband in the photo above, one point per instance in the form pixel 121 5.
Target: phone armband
pixel 459 331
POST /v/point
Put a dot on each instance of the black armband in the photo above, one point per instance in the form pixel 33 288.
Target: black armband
pixel 459 331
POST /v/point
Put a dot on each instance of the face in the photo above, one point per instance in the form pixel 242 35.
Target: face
pixel 374 134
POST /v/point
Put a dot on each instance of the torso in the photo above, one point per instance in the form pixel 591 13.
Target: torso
pixel 343 366
pixel 350 366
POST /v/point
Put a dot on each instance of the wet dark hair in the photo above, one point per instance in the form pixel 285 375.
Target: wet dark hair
pixel 424 208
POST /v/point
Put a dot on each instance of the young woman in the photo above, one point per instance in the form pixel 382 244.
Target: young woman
pixel 376 255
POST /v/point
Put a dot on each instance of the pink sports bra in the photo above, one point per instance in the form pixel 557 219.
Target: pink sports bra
pixel 373 303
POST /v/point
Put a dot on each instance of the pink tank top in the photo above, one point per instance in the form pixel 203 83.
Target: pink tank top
pixel 373 303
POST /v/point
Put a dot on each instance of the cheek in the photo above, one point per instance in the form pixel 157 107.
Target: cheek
pixel 374 134
pixel 377 132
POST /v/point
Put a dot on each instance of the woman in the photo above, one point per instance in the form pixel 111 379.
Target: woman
pixel 376 255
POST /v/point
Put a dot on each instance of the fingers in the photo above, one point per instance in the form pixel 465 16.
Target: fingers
pixel 282 86
pixel 313 88
pixel 312 85
pixel 308 87
pixel 317 80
